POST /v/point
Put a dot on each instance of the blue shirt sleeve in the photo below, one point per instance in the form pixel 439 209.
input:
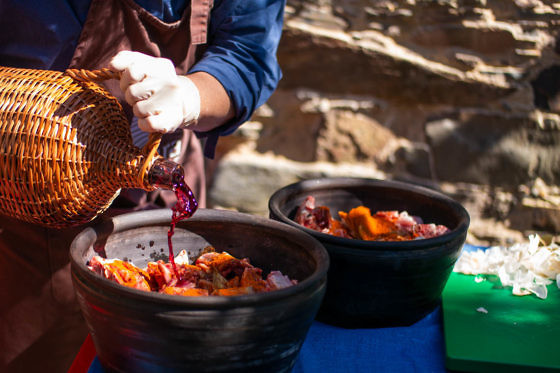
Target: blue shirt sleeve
pixel 243 38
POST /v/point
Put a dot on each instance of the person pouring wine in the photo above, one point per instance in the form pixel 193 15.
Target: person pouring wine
pixel 192 70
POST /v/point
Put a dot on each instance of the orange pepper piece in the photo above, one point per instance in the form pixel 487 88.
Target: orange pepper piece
pixel 127 274
pixel 364 226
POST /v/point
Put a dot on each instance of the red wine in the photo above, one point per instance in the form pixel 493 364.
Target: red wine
pixel 170 175
pixel 184 208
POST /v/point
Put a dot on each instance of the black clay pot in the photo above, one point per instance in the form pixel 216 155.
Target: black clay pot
pixel 371 283
pixel 136 331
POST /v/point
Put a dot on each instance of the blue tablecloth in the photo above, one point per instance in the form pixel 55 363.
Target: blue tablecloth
pixel 416 348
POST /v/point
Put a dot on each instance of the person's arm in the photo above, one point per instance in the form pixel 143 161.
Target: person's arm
pixel 237 73
pixel 243 38
pixel 216 107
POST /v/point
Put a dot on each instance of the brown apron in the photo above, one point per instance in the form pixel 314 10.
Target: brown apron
pixel 41 328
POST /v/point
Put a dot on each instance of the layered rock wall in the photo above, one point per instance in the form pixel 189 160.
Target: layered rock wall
pixel 461 96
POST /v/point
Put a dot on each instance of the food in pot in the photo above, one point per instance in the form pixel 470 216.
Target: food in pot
pixel 360 223
pixel 212 273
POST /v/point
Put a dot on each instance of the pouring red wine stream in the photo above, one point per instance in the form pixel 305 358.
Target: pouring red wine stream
pixel 184 208
pixel 171 175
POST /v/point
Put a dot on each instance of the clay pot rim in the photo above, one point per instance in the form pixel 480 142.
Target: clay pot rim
pixel 355 246
pixel 162 217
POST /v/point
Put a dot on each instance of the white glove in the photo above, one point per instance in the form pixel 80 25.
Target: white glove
pixel 162 100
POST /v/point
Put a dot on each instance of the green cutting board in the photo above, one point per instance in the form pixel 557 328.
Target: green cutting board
pixel 518 334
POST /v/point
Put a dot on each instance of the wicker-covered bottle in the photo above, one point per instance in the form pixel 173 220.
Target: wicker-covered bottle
pixel 66 149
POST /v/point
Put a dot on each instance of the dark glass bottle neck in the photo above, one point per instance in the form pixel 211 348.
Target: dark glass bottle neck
pixel 166 174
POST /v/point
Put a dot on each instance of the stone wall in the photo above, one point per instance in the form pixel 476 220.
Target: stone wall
pixel 460 96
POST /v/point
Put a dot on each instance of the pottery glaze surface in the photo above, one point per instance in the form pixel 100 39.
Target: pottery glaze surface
pixel 137 331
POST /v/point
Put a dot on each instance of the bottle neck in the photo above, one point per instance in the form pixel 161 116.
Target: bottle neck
pixel 166 174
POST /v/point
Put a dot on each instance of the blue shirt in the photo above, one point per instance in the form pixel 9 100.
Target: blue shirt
pixel 243 37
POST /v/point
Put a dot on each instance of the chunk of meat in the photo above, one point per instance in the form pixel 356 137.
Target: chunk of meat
pixel 319 219
pixel 252 277
pixel 429 230
pixel 162 275
pixel 276 280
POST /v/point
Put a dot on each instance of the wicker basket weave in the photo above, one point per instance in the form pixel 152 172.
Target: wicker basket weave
pixel 65 146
